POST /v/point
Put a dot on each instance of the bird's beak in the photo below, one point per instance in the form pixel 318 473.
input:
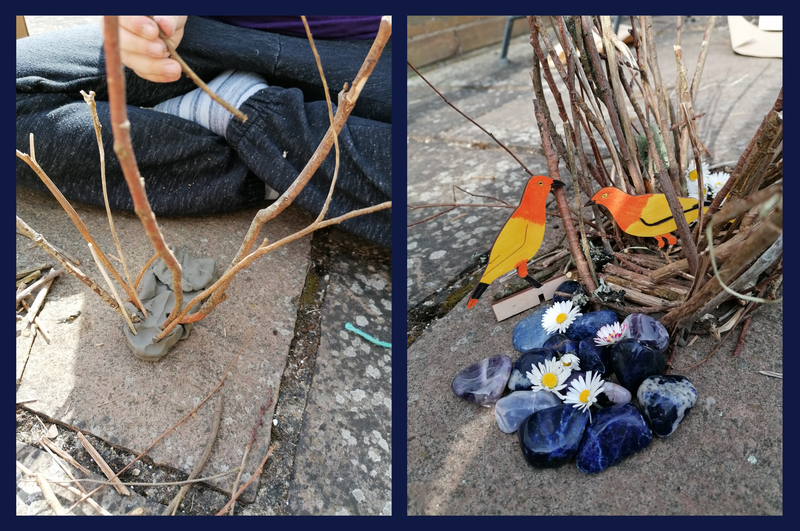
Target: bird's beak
pixel 590 203
pixel 557 184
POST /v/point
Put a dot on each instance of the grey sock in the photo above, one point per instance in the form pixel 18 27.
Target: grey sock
pixel 234 86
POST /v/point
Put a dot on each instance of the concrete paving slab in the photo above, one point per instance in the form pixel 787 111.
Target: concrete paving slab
pixel 727 456
pixel 88 377
pixel 344 458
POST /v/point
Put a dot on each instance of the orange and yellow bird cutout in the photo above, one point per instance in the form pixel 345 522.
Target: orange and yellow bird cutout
pixel 645 215
pixel 520 237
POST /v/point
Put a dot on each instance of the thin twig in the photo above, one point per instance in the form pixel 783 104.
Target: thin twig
pixel 253 433
pixel 197 81
pixel 198 467
pixel 249 481
pixel 89 98
pixel 264 249
pixel 68 266
pixel 111 287
pixel 48 277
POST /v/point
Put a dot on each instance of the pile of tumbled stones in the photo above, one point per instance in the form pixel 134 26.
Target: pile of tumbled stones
pixel 552 433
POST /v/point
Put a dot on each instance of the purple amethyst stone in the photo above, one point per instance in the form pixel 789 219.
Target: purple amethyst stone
pixel 484 382
pixel 511 410
pixel 647 330
pixel 588 324
pixel 519 379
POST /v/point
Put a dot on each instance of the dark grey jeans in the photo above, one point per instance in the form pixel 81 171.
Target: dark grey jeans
pixel 189 170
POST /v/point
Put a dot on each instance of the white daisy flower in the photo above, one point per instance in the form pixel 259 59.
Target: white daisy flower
pixel 583 392
pixel 716 181
pixel 548 376
pixel 610 334
pixel 692 182
pixel 570 362
pixel 559 317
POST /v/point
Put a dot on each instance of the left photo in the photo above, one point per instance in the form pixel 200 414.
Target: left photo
pixel 203 265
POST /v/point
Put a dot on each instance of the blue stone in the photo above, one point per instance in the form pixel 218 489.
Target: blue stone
pixel 484 382
pixel 519 380
pixel 613 394
pixel 529 333
pixel 561 344
pixel 570 286
pixel 594 357
pixel 647 330
pixel 550 437
pixel 614 434
pixel 511 410
pixel 588 324
pixel 665 401
pixel 634 361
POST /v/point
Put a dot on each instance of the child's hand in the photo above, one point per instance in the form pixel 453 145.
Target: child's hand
pixel 144 52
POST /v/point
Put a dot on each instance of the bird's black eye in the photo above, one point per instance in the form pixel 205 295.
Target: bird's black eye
pixel 541 183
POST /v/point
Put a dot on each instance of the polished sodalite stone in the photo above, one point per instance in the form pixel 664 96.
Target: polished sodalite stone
pixel 594 357
pixel 614 433
pixel 484 382
pixel 550 437
pixel 570 286
pixel 613 394
pixel 562 344
pixel 518 379
pixel 588 324
pixel 511 410
pixel 647 330
pixel 529 333
pixel 633 361
pixel 665 401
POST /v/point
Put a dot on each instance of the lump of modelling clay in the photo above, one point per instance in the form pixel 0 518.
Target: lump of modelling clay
pixel 155 292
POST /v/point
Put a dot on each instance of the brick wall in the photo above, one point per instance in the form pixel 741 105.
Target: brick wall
pixel 432 39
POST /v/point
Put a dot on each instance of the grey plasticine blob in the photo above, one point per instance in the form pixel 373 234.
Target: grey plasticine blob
pixel 155 292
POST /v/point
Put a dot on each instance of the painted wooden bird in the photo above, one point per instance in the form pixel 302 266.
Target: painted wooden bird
pixel 645 215
pixel 520 237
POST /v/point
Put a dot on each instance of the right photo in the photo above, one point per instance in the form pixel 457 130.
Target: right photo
pixel 594 265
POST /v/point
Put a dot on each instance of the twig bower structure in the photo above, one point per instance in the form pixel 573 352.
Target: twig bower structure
pixel 215 293
pixel 613 98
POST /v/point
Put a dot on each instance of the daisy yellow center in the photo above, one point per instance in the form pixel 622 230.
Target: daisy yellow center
pixel 561 318
pixel 549 380
pixel 584 396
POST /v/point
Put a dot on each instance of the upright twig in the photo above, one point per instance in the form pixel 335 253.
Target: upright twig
pixel 111 287
pixel 324 209
pixel 123 147
pixel 346 103
pixel 89 98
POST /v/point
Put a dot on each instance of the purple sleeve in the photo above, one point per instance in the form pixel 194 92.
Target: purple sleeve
pixel 323 27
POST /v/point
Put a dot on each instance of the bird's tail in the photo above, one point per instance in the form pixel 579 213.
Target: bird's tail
pixel 476 294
